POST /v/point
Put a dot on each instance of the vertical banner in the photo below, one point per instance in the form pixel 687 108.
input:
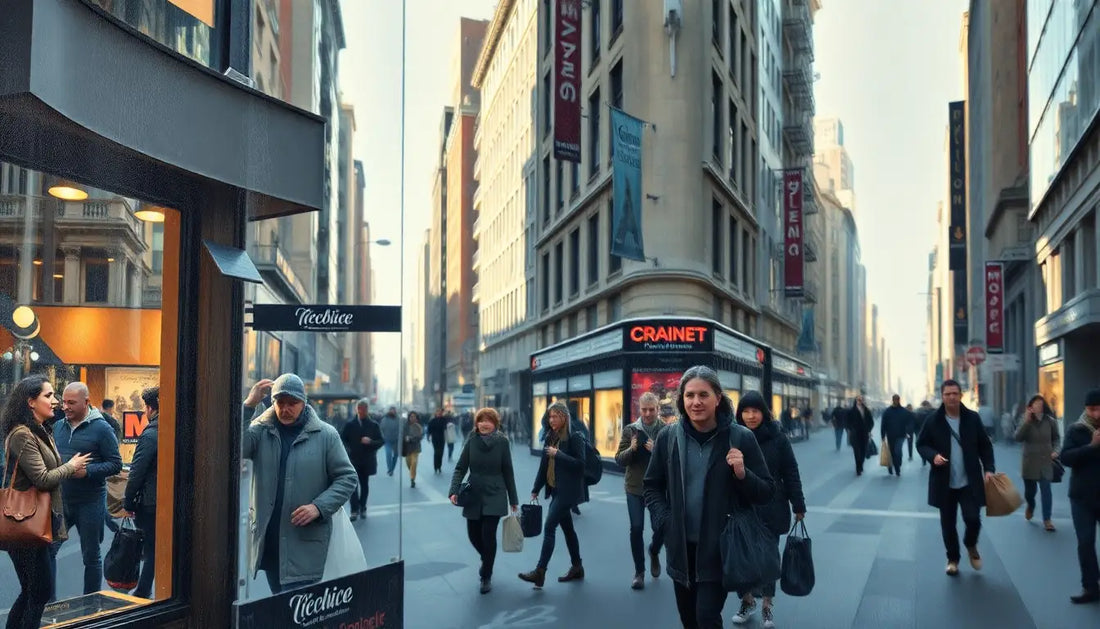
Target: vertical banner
pixel 957 182
pixel 994 307
pixel 626 177
pixel 567 82
pixel 792 230
pixel 960 298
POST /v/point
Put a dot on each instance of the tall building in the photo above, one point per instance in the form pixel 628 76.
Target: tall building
pixel 436 302
pixel 1064 162
pixel 832 162
pixel 841 362
pixel 266 67
pixel 417 394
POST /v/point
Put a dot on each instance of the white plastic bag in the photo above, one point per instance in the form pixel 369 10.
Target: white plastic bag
pixel 345 553
pixel 511 538
pixel 451 433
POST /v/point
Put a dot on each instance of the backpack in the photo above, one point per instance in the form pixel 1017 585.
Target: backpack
pixel 593 465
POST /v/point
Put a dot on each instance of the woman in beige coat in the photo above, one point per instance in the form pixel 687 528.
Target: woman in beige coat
pixel 1038 432
pixel 31 459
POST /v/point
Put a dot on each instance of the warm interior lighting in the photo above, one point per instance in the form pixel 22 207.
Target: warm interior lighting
pixel 150 215
pixel 110 259
pixel 36 262
pixel 22 317
pixel 58 276
pixel 67 191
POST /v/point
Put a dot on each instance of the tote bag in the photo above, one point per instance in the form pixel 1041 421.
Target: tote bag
pixel 345 553
pixel 25 517
pixel 511 537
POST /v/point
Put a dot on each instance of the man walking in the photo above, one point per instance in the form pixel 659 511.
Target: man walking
pixel 141 491
pixel 362 437
pixel 635 448
pixel 839 416
pixel 957 445
pixel 437 432
pixel 1081 453
pixel 894 430
pixel 391 436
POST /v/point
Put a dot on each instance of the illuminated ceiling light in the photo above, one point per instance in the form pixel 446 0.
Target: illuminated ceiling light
pixel 110 259
pixel 8 355
pixel 23 317
pixel 150 214
pixel 58 276
pixel 67 191
pixel 37 262
pixel 35 356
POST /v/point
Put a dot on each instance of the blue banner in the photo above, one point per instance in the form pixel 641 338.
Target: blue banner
pixel 806 341
pixel 626 175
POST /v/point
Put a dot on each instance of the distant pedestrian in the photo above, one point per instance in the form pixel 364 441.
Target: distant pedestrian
pixel 362 437
pixel 140 498
pixel 410 448
pixel 893 431
pixel 107 409
pixel 1081 453
pixel 437 433
pixel 839 423
pixel 1039 435
pixel 910 428
pixel 391 436
pixel 635 447
pixel 859 423
pixel 921 418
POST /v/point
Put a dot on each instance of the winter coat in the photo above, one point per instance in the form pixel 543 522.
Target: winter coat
pixel 318 472
pixel 724 493
pixel 437 429
pixel 634 463
pixel 1040 439
pixel 391 428
pixel 839 418
pixel 414 434
pixel 568 471
pixel 779 455
pixel 895 424
pixel 92 436
pixel 39 465
pixel 977 453
pixel 1084 461
pixel 363 456
pixel 141 485
pixel 859 424
pixel 491 476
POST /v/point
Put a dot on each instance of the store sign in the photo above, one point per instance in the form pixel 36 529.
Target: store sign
pixel 1050 353
pixel 590 347
pixel 668 337
pixel 994 306
pixel 793 233
pixel 743 350
pixel 372 598
pixel 326 318
pixel 567 81
pixel 956 113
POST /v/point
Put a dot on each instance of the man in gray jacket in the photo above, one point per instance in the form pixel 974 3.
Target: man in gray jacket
pixel 391 435
pixel 301 476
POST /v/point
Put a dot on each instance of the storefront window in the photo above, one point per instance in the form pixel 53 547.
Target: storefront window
pixel 1052 386
pixel 540 406
pixel 89 286
pixel 663 384
pixel 609 413
pixel 185 26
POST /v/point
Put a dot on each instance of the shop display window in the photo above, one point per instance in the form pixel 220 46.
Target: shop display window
pixel 663 384
pixel 734 396
pixel 610 421
pixel 1052 387
pixel 540 404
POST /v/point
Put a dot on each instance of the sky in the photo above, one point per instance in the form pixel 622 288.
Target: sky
pixel 888 70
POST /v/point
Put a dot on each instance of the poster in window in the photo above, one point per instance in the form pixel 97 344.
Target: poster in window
pixel 663 384
pixel 124 385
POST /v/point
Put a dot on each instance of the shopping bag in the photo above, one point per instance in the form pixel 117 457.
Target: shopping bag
pixel 511 537
pixel 1059 471
pixel 872 449
pixel 797 570
pixel 116 492
pixel 450 434
pixel 122 565
pixel 345 553
pixel 884 458
pixel 530 519
pixel 1001 496
pixel 749 552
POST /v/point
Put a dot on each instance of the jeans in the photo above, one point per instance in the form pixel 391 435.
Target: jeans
pixel 859 450
pixel 635 506
pixel 33 568
pixel 437 453
pixel 361 492
pixel 953 500
pixel 146 520
pixel 1085 520
pixel 700 603
pixel 839 437
pixel 391 456
pixel 88 517
pixel 277 588
pixel 450 451
pixel 1044 490
pixel 483 537
pixel 558 514
pixel 896 452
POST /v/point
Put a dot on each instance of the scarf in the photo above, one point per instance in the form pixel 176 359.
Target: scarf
pixel 552 439
pixel 651 431
pixel 1089 423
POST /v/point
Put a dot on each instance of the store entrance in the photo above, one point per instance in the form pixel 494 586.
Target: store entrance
pixel 581 408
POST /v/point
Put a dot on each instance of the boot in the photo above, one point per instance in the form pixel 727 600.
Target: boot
pixel 575 573
pixel 536 576
pixel 486 585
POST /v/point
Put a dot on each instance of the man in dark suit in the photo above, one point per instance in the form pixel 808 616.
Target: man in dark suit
pixel 957 445
pixel 362 436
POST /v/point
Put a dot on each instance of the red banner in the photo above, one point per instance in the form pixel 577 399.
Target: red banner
pixel 994 306
pixel 567 81
pixel 793 232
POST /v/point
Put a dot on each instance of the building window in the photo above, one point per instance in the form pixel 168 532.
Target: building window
pixel 545 281
pixel 614 308
pixel 558 176
pixel 593 249
pixel 548 25
pixel 158 248
pixel 716 100
pixel 591 318
pixel 575 175
pixel 753 87
pixel 716 221
pixel 594 133
pixel 614 262
pixel 547 100
pixel 594 32
pixel 559 272
pixel 746 171
pixel 574 261
pixel 716 24
pixel 616 101
pixel 732 231
pixel 731 151
pixel 748 245
pixel 744 62
pixel 616 18
pixel 546 190
pixel 731 36
pixel 96 282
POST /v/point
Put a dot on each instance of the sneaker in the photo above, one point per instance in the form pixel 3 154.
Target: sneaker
pixel 975 558
pixel 766 613
pixel 639 582
pixel 952 568
pixel 744 613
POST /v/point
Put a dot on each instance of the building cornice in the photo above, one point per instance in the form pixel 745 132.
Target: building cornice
pixel 1012 197
pixel 492 40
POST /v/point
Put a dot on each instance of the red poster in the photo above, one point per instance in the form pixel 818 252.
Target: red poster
pixel 663 384
pixel 567 81
pixel 994 306
pixel 793 231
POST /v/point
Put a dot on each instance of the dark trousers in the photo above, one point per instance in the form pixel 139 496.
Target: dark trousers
pixel 450 451
pixel 483 537
pixel 859 450
pixel 909 439
pixel 36 585
pixel 896 452
pixel 362 491
pixel 953 501
pixel 88 517
pixel 839 437
pixel 1085 520
pixel 635 506
pixel 146 520
pixel 558 514
pixel 700 603
pixel 437 451
pixel 1043 487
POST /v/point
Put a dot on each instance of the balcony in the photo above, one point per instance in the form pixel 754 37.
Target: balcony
pixel 809 202
pixel 91 214
pixel 799 135
pixel 477 200
pixel 809 291
pixel 798 27
pixel 477 167
pixel 809 250
pixel 799 85
pixel 477 131
pixel 475 260
pixel 476 229
pixel 273 265
pixel 475 293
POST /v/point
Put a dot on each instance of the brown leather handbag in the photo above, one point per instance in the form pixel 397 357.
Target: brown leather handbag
pixel 25 517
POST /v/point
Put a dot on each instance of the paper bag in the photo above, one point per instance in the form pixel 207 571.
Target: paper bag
pixel 884 455
pixel 1001 496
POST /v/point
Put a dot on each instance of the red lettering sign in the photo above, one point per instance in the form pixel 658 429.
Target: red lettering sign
pixel 668 334
pixel 994 306
pixel 567 81
pixel 793 258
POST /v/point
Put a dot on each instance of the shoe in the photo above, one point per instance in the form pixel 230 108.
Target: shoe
pixel 363 514
pixel 743 615
pixel 576 510
pixel 412 484
pixel 975 558
pixel 391 472
pixel 1028 513
pixel 1086 596
pixel 354 516
pixel 639 582
pixel 536 577
pixel 655 564
pixel 1048 525
pixel 766 614
pixel 952 568
pixel 486 586
pixel 576 573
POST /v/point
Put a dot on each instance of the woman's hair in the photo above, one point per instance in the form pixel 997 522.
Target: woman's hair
pixel 1047 410
pixel 561 409
pixel 411 414
pixel 708 375
pixel 16 411
pixel 489 414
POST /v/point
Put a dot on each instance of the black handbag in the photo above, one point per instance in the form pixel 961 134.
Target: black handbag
pixel 122 565
pixel 1059 471
pixel 797 569
pixel 749 550
pixel 530 519
pixel 465 494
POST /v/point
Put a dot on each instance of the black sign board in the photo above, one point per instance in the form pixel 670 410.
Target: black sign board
pixel 668 336
pixel 366 600
pixel 961 295
pixel 325 318
pixel 956 235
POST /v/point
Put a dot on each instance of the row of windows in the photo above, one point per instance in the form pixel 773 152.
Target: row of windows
pixel 734 153
pixel 593 26
pixel 732 248
pixel 554 271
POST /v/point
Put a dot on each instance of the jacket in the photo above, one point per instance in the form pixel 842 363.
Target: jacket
pixel 779 455
pixel 634 463
pixel 723 494
pixel 391 428
pixel 437 429
pixel 895 424
pixel 568 471
pixel 318 471
pixel 364 456
pixel 859 423
pixel 414 433
pixel 491 476
pixel 977 453
pixel 92 436
pixel 39 465
pixel 141 486
pixel 1040 440
pixel 1084 459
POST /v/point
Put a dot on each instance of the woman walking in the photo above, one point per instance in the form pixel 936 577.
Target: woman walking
pixel 487 455
pixel 410 449
pixel 1039 434
pixel 753 414
pixel 32 460
pixel 859 423
pixel 561 472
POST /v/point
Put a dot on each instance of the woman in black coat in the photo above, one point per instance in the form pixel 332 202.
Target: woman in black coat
pixel 753 414
pixel 561 472
pixel 859 423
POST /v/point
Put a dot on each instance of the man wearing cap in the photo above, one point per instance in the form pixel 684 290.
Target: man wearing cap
pixel 1081 453
pixel 301 476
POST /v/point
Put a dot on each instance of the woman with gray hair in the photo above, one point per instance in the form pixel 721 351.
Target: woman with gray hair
pixel 561 472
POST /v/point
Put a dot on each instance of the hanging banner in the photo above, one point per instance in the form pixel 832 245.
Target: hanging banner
pixel 792 230
pixel 567 81
pixel 626 176
pixel 960 299
pixel 994 307
pixel 957 192
pixel 807 343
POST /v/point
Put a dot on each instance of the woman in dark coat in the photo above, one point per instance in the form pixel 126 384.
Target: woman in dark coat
pixel 487 455
pixel 1039 434
pixel 561 472
pixel 753 414
pixel 859 423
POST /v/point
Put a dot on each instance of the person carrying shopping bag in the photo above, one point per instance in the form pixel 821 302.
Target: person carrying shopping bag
pixel 1039 435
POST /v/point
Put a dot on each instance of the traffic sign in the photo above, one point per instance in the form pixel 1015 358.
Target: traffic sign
pixel 975 355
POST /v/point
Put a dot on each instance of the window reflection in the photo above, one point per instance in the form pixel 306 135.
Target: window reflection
pixel 186 26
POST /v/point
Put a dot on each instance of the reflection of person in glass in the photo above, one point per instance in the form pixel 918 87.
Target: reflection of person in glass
pixel 32 459
pixel 140 498
pixel 635 448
